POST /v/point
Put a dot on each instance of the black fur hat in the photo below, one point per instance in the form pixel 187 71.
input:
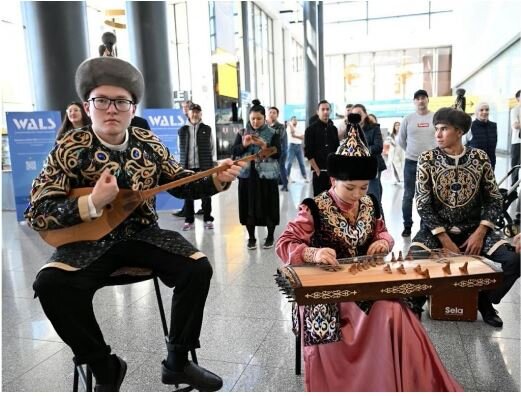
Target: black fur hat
pixel 108 70
pixel 352 160
pixel 457 118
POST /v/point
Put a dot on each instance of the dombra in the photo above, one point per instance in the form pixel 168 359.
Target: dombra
pixel 124 204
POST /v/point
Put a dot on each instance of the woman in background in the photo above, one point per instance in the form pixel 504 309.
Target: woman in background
pixel 375 144
pixel 258 182
pixel 483 133
pixel 396 155
pixel 75 117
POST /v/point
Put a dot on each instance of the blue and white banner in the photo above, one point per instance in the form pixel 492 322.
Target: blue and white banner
pixel 165 123
pixel 31 136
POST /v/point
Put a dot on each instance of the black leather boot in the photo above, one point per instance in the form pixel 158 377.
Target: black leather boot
pixel 488 312
pixel 193 375
pixel 114 385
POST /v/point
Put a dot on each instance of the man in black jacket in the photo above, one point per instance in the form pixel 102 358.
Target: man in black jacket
pixel 320 139
pixel 196 153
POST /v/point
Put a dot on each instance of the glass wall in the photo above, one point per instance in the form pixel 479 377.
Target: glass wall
pixel 261 55
pixel 356 19
pixel 393 74
pixel 497 87
pixel 15 90
pixel 179 48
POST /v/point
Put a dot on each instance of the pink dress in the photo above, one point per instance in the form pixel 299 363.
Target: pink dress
pixel 386 350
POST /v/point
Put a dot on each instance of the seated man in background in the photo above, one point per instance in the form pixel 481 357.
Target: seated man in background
pixel 459 202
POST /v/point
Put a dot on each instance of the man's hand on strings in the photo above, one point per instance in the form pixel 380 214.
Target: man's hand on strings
pixel 105 190
pixel 474 243
pixel 232 172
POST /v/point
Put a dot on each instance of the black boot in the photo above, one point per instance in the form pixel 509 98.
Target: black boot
pixel 488 312
pixel 118 371
pixel 193 375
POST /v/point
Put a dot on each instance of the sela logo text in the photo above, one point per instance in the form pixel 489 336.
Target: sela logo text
pixel 453 311
pixel 34 124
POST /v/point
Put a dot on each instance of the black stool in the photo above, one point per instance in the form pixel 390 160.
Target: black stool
pixel 125 276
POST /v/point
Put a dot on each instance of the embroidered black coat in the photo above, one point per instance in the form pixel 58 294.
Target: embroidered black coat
pixel 456 195
pixel 77 160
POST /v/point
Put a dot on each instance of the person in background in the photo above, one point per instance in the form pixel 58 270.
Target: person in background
pixel 295 148
pixel 273 123
pixel 185 107
pixel 196 153
pixel 373 118
pixel 343 123
pixel 374 140
pixel 258 182
pixel 483 133
pixel 320 139
pixel 416 135
pixel 395 153
pixel 75 117
pixel 340 341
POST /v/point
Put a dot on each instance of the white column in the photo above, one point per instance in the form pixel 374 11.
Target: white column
pixel 200 60
pixel 278 57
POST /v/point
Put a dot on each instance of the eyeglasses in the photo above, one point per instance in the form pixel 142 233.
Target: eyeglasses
pixel 104 103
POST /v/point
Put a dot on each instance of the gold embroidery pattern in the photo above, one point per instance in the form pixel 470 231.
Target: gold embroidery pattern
pixel 69 149
pixel 352 146
pixel 93 172
pixel 453 186
pixel 475 282
pixel 456 188
pixel 341 227
pixel 41 186
pixel 406 288
pixel 142 174
pixel 330 294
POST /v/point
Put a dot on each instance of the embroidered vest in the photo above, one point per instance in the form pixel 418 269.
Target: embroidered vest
pixel 333 230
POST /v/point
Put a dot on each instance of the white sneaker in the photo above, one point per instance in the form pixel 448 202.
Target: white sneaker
pixel 188 226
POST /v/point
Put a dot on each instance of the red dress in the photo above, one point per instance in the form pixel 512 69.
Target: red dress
pixel 386 350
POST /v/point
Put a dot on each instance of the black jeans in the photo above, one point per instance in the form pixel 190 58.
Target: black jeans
pixel 409 185
pixel 66 296
pixel 206 204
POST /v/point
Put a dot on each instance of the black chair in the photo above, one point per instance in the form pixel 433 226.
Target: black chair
pixel 125 276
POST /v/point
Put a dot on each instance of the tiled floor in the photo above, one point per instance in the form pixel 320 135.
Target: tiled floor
pixel 246 336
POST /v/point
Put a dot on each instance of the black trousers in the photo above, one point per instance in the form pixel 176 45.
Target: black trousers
pixel 321 183
pixel 66 296
pixel 509 260
pixel 206 205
